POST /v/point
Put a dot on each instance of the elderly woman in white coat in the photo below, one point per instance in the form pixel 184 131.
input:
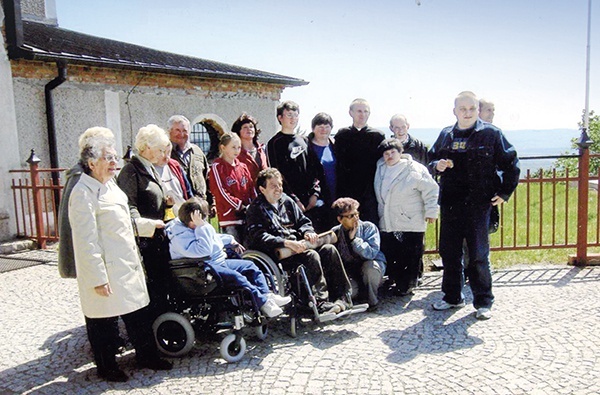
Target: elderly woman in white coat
pixel 407 199
pixel 110 275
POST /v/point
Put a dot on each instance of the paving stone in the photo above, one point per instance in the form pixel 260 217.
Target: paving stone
pixel 542 339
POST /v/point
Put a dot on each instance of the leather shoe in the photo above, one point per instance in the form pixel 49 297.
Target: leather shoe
pixel 115 375
pixel 155 364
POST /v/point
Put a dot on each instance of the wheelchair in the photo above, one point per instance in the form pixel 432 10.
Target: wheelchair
pixel 295 283
pixel 198 305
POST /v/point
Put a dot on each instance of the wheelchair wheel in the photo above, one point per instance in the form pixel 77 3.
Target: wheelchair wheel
pixel 261 331
pixel 232 350
pixel 174 334
pixel 267 266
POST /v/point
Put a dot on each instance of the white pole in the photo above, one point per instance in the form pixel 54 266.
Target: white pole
pixel 586 115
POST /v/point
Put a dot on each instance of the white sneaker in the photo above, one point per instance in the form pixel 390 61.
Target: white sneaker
pixel 278 299
pixel 483 313
pixel 443 305
pixel 270 309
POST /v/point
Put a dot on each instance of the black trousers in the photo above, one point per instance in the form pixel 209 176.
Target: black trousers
pixel 404 253
pixel 155 258
pixel 103 334
pixel 325 271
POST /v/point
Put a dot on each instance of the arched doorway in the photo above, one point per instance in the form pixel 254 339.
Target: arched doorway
pixel 206 132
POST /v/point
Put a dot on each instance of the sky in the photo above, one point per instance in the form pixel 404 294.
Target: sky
pixel 527 56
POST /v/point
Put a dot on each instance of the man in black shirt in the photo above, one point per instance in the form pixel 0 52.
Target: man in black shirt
pixel 357 156
pixel 302 171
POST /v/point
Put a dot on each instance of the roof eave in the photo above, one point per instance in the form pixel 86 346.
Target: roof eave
pixel 51 57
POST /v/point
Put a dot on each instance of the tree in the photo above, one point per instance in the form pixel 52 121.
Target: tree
pixel 571 164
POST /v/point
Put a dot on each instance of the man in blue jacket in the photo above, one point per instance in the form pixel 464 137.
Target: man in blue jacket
pixel 467 158
pixel 359 245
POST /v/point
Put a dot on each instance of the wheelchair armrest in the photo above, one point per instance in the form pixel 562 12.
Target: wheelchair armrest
pixel 188 261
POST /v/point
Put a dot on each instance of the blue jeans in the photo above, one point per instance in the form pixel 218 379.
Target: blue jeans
pixel 242 273
pixel 471 223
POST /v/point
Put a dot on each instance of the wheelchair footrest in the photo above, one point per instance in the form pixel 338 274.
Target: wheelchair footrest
pixel 359 308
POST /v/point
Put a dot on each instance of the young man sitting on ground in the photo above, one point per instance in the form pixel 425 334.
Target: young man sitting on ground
pixel 359 245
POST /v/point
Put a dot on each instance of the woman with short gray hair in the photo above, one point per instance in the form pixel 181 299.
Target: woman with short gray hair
pixel 110 277
pixel 148 203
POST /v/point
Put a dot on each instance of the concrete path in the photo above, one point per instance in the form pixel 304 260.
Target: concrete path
pixel 544 338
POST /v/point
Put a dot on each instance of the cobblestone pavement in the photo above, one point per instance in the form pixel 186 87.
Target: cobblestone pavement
pixel 544 338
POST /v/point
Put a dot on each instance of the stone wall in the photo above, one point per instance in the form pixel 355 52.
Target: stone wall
pixel 39 11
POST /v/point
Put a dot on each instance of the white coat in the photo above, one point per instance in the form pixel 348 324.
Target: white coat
pixel 105 249
pixel 412 197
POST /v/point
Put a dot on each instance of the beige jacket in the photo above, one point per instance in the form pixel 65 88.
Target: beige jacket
pixel 105 249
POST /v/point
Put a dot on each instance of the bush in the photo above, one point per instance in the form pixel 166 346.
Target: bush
pixel 571 164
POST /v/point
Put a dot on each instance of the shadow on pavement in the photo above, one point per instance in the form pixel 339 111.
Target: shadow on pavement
pixel 430 335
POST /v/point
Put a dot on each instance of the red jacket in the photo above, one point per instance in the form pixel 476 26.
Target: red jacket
pixel 249 161
pixel 178 171
pixel 232 188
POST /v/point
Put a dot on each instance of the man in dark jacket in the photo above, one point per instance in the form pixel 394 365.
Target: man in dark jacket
pixel 415 148
pixel 300 167
pixel 467 157
pixel 275 221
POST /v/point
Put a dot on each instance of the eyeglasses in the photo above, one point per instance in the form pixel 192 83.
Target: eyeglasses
pixel 291 115
pixel 111 158
pixel 350 216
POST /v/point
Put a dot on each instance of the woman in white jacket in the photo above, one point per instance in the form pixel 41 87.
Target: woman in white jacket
pixel 407 199
pixel 110 276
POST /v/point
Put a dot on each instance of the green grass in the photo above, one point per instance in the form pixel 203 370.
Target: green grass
pixel 551 207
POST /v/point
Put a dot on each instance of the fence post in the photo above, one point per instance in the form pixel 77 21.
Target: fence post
pixel 33 161
pixel 584 144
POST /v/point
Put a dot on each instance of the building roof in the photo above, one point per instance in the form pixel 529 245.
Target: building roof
pixel 51 43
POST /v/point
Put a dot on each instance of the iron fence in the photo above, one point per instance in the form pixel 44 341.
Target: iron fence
pixel 541 214
pixel 36 198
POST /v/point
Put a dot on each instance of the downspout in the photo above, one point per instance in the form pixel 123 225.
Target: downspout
pixel 51 124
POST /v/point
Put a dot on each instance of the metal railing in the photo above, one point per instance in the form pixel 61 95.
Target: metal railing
pixel 36 198
pixel 541 214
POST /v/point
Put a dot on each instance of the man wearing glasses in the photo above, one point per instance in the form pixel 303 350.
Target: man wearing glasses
pixel 300 167
pixel 359 247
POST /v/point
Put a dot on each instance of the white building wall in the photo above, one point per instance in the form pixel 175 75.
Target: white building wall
pixel 9 149
pixel 79 106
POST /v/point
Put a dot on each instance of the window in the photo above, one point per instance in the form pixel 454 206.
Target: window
pixel 207 138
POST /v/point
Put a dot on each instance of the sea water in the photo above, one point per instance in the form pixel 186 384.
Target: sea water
pixel 528 143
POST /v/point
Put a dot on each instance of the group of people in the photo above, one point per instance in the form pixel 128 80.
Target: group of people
pixel 280 195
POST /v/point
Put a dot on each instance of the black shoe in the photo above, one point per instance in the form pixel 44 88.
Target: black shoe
pixel 402 292
pixel 373 308
pixel 114 375
pixel 155 364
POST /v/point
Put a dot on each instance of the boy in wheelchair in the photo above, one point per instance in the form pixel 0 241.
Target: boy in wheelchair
pixel 192 237
pixel 274 221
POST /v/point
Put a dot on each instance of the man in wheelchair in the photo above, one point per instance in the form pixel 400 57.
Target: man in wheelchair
pixel 192 237
pixel 275 221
